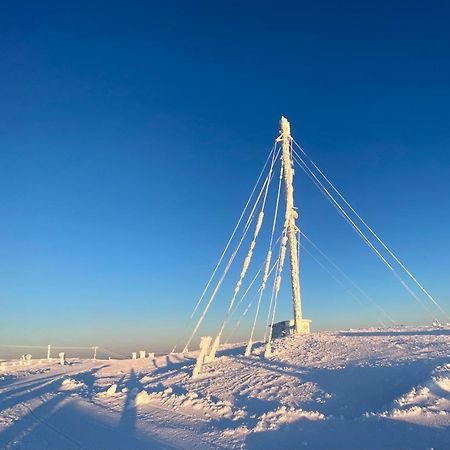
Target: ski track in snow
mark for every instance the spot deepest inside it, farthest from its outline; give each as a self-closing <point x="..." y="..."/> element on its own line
<point x="359" y="389"/>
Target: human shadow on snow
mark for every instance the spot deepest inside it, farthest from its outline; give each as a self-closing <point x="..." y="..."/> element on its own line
<point x="129" y="412"/>
<point x="46" y="425"/>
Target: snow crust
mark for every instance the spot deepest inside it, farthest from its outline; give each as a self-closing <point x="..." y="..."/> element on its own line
<point x="69" y="384"/>
<point x="428" y="403"/>
<point x="357" y="389"/>
<point x="273" y="420"/>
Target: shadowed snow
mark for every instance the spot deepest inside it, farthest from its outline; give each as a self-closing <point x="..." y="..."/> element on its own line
<point x="361" y="389"/>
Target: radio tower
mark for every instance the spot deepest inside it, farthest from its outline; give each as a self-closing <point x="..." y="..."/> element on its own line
<point x="300" y="325"/>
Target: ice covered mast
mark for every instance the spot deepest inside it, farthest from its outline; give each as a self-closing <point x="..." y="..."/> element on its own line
<point x="300" y="325"/>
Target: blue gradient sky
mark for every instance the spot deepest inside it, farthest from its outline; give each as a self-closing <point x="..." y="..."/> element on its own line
<point x="132" y="132"/>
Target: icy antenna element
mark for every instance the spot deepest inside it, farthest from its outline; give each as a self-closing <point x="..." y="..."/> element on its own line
<point x="267" y="270"/>
<point x="133" y="355"/>
<point x="62" y="358"/>
<point x="248" y="349"/>
<point x="205" y="342"/>
<point x="212" y="354"/>
<point x="141" y="354"/>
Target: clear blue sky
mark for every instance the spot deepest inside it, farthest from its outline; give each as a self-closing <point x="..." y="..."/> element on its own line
<point x="132" y="132"/>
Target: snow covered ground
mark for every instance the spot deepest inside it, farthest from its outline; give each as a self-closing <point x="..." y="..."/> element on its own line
<point x="366" y="389"/>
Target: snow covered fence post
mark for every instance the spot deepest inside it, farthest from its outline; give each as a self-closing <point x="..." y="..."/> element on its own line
<point x="248" y="349"/>
<point x="205" y="342"/>
<point x="62" y="358"/>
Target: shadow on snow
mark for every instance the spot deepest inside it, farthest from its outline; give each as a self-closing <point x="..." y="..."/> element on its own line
<point x="57" y="422"/>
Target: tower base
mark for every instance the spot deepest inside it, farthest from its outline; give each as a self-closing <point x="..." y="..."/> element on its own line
<point x="287" y="327"/>
<point x="303" y="326"/>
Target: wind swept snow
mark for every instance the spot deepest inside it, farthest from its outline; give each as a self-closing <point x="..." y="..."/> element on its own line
<point x="359" y="389"/>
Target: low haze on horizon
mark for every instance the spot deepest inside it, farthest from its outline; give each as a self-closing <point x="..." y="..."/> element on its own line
<point x="133" y="132"/>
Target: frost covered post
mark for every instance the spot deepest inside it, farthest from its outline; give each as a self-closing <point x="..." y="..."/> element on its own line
<point x="49" y="348"/>
<point x="141" y="354"/>
<point x="95" y="353"/>
<point x="62" y="358"/>
<point x="205" y="342"/>
<point x="133" y="355"/>
<point x="300" y="325"/>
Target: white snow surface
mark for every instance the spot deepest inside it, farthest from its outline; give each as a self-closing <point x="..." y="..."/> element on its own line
<point x="357" y="389"/>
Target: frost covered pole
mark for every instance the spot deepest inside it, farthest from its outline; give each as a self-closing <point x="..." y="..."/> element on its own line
<point x="49" y="348"/>
<point x="300" y="325"/>
<point x="205" y="342"/>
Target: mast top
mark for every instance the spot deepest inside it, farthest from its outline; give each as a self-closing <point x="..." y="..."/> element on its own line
<point x="285" y="126"/>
